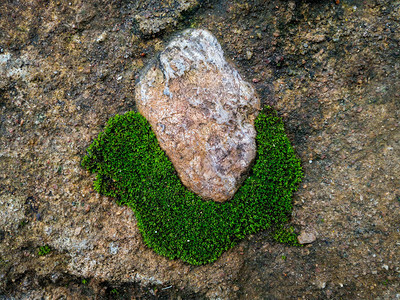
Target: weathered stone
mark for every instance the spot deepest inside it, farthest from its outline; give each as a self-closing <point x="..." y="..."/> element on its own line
<point x="202" y="113"/>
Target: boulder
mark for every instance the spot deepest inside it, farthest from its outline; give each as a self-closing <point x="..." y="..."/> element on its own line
<point x="202" y="113"/>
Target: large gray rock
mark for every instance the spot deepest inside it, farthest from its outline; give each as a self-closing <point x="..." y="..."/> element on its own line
<point x="202" y="113"/>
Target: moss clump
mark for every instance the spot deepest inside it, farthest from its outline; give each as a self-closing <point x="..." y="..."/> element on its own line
<point x="44" y="250"/>
<point x="175" y="222"/>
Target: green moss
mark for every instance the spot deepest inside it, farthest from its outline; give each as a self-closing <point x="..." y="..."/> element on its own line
<point x="114" y="292"/>
<point x="43" y="250"/>
<point x="285" y="235"/>
<point x="175" y="222"/>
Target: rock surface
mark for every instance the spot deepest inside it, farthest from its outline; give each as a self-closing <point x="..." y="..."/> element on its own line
<point x="159" y="15"/>
<point x="202" y="113"/>
<point x="59" y="86"/>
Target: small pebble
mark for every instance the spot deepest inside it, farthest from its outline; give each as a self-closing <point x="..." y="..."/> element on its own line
<point x="306" y="237"/>
<point x="102" y="37"/>
<point x="78" y="231"/>
<point x="113" y="248"/>
<point x="321" y="284"/>
<point x="249" y="54"/>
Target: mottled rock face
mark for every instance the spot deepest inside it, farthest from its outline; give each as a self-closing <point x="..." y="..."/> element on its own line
<point x="202" y="113"/>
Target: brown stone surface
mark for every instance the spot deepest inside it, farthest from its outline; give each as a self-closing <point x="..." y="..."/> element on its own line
<point x="202" y="113"/>
<point x="339" y="99"/>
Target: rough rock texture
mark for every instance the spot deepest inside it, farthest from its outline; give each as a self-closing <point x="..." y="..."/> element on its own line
<point x="156" y="16"/>
<point x="202" y="113"/>
<point x="339" y="97"/>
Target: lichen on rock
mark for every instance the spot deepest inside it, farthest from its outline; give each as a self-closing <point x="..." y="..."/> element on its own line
<point x="202" y="112"/>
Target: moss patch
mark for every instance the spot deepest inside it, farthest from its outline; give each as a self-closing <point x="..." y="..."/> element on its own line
<point x="175" y="222"/>
<point x="44" y="250"/>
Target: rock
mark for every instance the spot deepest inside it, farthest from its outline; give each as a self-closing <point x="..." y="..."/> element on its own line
<point x="307" y="237"/>
<point x="202" y="113"/>
<point x="102" y="37"/>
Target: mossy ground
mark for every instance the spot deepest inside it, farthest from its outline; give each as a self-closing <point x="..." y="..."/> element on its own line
<point x="175" y="222"/>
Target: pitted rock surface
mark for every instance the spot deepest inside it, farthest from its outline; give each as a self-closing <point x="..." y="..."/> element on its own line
<point x="202" y="113"/>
